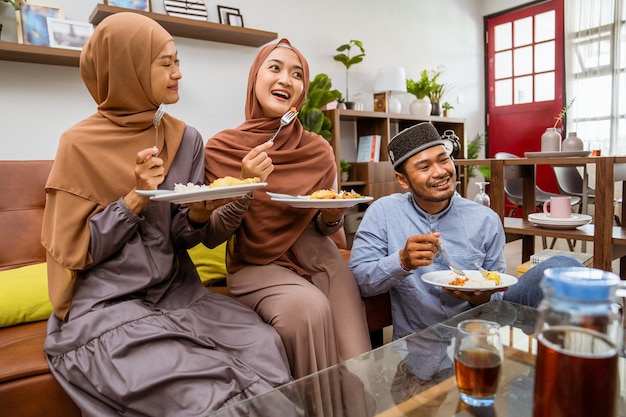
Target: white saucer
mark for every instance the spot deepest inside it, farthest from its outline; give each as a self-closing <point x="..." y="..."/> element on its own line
<point x="557" y="154"/>
<point x="572" y="222"/>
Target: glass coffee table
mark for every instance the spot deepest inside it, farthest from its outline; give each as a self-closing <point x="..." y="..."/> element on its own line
<point x="414" y="376"/>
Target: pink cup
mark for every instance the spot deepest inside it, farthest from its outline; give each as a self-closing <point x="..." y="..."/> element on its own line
<point x="558" y="207"/>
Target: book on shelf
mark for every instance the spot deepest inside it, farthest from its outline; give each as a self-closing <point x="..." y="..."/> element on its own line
<point x="369" y="148"/>
<point x="584" y="258"/>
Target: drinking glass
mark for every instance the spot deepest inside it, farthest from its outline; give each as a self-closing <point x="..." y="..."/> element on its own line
<point x="477" y="361"/>
<point x="482" y="197"/>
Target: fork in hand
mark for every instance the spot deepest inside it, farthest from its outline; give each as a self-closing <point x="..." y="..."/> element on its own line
<point x="284" y="121"/>
<point x="453" y="267"/>
<point x="157" y="122"/>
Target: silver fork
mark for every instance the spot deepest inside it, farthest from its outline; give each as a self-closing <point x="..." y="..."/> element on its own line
<point x="284" y="121"/>
<point x="453" y="267"/>
<point x="157" y="122"/>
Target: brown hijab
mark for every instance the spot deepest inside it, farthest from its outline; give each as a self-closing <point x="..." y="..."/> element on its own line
<point x="303" y="162"/>
<point x="94" y="164"/>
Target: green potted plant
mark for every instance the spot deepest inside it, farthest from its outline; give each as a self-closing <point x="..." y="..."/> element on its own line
<point x="426" y="86"/>
<point x="348" y="60"/>
<point x="473" y="151"/>
<point x="422" y="87"/>
<point x="447" y="107"/>
<point x="345" y="170"/>
<point x="311" y="116"/>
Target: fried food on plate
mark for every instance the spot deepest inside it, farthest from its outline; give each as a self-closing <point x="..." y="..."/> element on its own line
<point x="334" y="195"/>
<point x="228" y="181"/>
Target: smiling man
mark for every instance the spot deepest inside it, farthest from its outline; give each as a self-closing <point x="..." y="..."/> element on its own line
<point x="396" y="240"/>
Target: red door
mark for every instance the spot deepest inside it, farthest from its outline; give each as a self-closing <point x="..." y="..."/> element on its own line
<point x="525" y="80"/>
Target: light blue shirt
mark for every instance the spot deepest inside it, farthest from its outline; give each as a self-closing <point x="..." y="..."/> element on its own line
<point x="470" y="233"/>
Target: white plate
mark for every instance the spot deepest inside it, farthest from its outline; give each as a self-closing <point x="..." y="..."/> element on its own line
<point x="547" y="222"/>
<point x="442" y="278"/>
<point x="557" y="154"/>
<point x="207" y="193"/>
<point x="306" y="202"/>
<point x="150" y="193"/>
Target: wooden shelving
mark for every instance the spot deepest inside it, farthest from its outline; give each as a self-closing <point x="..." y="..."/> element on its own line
<point x="11" y="51"/>
<point x="195" y="29"/>
<point x="177" y="26"/>
<point x="378" y="178"/>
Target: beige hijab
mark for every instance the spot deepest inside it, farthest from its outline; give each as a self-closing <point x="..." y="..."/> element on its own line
<point x="94" y="164"/>
<point x="303" y="162"/>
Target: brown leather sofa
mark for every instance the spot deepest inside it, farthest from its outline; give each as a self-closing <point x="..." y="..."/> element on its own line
<point x="27" y="388"/>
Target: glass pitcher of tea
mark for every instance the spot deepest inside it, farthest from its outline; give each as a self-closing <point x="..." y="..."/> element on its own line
<point x="579" y="334"/>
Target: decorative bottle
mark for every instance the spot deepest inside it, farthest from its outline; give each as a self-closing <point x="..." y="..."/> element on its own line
<point x="572" y="143"/>
<point x="551" y="140"/>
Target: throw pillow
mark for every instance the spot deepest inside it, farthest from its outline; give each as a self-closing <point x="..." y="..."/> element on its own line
<point x="211" y="263"/>
<point x="24" y="295"/>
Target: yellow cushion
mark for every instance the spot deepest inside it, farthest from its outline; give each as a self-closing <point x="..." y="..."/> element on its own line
<point x="24" y="290"/>
<point x="24" y="295"/>
<point x="211" y="263"/>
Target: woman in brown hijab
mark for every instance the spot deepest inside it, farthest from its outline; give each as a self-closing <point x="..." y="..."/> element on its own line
<point x="134" y="332"/>
<point x="281" y="261"/>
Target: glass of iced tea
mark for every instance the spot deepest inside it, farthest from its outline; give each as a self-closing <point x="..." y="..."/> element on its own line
<point x="477" y="361"/>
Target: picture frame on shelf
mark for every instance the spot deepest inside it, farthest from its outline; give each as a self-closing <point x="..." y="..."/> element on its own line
<point x="224" y="11"/>
<point x="142" y="5"/>
<point x="32" y="23"/>
<point x="380" y="102"/>
<point x="187" y="9"/>
<point x="235" y="19"/>
<point x="68" y="34"/>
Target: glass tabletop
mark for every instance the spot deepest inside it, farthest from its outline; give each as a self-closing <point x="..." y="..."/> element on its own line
<point x="414" y="376"/>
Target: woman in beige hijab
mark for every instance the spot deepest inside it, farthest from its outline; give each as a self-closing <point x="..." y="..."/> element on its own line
<point x="134" y="332"/>
<point x="282" y="262"/>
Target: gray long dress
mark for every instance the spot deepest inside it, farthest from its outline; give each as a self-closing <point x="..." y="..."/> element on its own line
<point x="144" y="337"/>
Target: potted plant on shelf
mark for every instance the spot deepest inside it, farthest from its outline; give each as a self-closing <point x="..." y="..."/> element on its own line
<point x="345" y="170"/>
<point x="447" y="107"/>
<point x="437" y="91"/>
<point x="344" y="56"/>
<point x="425" y="90"/>
<point x="318" y="95"/>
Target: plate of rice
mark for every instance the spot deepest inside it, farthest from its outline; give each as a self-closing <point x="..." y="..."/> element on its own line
<point x="226" y="187"/>
<point x="473" y="281"/>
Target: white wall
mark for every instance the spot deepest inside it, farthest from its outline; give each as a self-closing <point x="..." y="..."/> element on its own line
<point x="38" y="102"/>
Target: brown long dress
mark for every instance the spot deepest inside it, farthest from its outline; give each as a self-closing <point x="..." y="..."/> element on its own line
<point x="282" y="263"/>
<point x="134" y="331"/>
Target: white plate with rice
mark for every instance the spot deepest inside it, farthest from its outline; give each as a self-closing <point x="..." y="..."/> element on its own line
<point x="476" y="280"/>
<point x="201" y="193"/>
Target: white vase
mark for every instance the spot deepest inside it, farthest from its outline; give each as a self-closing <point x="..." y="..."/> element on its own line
<point x="572" y="143"/>
<point x="551" y="140"/>
<point x="421" y="107"/>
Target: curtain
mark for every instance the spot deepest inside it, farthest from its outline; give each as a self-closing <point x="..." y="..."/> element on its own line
<point x="595" y="54"/>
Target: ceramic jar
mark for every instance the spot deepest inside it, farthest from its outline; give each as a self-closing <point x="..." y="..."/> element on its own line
<point x="572" y="143"/>
<point x="421" y="107"/>
<point x="551" y="140"/>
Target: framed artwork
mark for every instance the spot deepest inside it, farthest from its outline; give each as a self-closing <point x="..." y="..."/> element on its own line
<point x="32" y="24"/>
<point x="380" y="102"/>
<point x="188" y="9"/>
<point x="223" y="13"/>
<point x="143" y="5"/>
<point x="235" y="19"/>
<point x="68" y="34"/>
